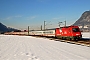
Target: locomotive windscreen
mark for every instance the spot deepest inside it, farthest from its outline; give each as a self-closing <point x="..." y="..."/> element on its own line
<point x="75" y="29"/>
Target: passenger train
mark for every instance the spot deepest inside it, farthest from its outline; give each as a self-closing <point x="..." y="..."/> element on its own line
<point x="67" y="32"/>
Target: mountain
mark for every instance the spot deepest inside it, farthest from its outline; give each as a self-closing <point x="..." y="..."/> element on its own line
<point x="84" y="21"/>
<point x="4" y="28"/>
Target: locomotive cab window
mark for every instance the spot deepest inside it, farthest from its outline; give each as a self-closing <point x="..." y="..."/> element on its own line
<point x="75" y="29"/>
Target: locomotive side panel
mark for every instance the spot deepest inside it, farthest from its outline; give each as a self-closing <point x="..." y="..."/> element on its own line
<point x="58" y="32"/>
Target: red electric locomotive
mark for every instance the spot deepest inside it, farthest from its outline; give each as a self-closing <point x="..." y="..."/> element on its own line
<point x="68" y="32"/>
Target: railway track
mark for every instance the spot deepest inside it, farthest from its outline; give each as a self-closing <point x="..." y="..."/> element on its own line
<point x="82" y="42"/>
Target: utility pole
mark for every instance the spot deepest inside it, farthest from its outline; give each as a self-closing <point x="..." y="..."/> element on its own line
<point x="44" y="25"/>
<point x="65" y="23"/>
<point x="28" y="30"/>
<point x="59" y="24"/>
<point x="41" y="27"/>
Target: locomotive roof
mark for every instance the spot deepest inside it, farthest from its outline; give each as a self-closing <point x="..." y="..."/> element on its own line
<point x="68" y="26"/>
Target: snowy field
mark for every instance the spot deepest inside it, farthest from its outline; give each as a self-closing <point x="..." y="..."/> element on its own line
<point x="86" y="35"/>
<point x="31" y="48"/>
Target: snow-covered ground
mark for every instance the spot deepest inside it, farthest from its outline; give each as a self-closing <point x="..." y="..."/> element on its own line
<point x="86" y="35"/>
<point x="31" y="48"/>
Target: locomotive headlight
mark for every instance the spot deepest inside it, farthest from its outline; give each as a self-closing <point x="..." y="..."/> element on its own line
<point x="77" y="34"/>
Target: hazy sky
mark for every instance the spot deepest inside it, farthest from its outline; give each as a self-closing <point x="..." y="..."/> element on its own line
<point x="33" y="13"/>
